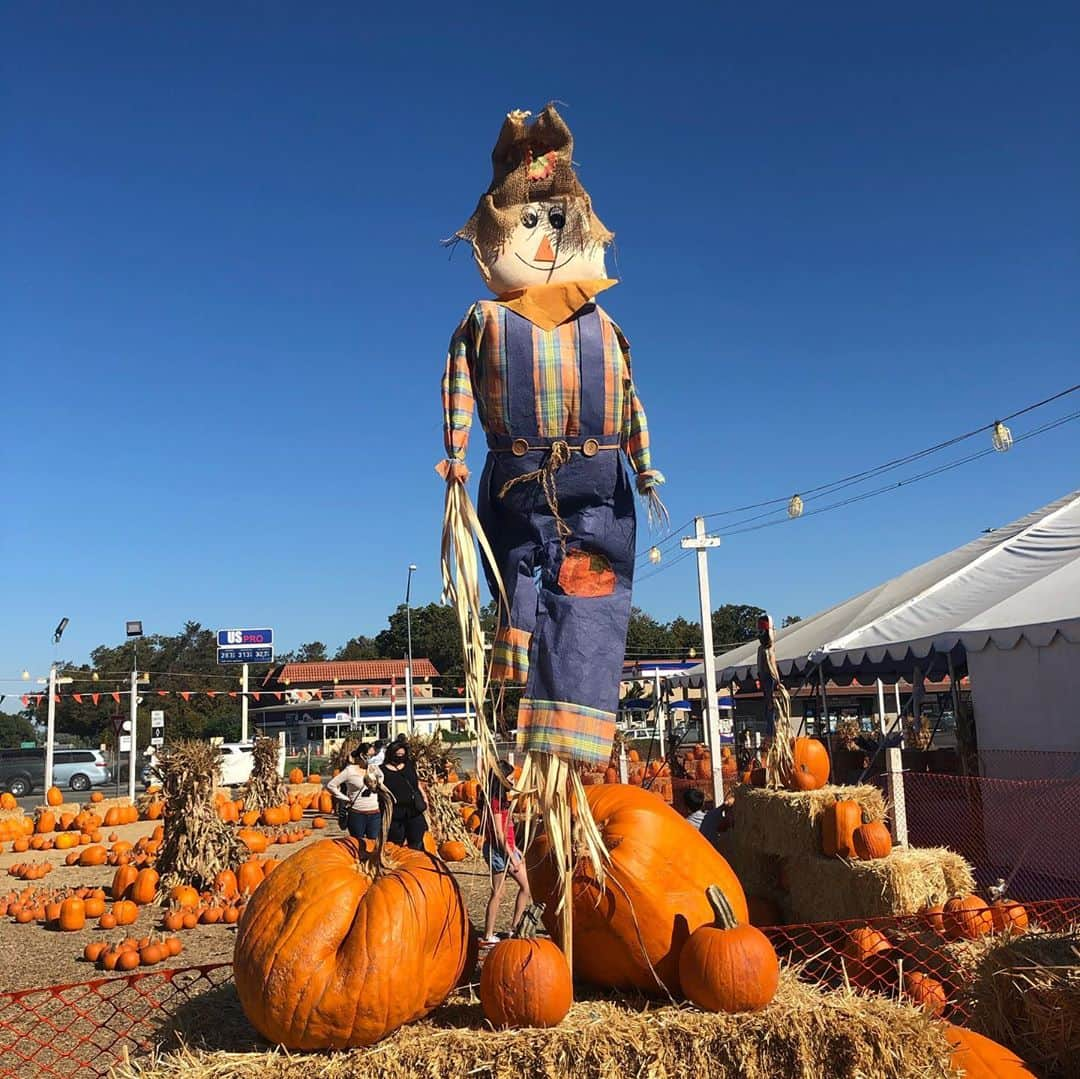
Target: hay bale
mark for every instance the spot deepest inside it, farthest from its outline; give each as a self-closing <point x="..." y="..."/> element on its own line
<point x="909" y="880"/>
<point x="804" y="1034"/>
<point x="302" y="789"/>
<point x="106" y="803"/>
<point x="788" y="823"/>
<point x="1024" y="991"/>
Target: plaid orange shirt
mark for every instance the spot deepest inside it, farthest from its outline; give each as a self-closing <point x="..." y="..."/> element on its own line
<point x="475" y="380"/>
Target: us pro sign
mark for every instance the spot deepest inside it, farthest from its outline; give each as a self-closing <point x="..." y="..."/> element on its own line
<point x="245" y="645"/>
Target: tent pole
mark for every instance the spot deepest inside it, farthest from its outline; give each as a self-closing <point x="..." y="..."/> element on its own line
<point x="894" y="776"/>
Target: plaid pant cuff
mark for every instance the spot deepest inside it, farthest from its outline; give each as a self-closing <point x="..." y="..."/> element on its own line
<point x="569" y="730"/>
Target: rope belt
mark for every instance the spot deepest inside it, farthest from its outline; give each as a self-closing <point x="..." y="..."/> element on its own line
<point x="558" y="455"/>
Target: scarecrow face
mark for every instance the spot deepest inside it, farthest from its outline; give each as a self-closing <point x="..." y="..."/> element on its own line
<point x="539" y="251"/>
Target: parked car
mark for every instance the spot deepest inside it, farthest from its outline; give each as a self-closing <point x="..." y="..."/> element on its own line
<point x="23" y="770"/>
<point x="236" y="761"/>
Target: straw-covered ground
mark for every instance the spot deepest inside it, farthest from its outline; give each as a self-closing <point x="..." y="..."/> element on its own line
<point x="803" y="1034"/>
<point x="1024" y="991"/>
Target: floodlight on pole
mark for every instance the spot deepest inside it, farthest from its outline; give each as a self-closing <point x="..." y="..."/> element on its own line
<point x="410" y="717"/>
<point x="59" y="631"/>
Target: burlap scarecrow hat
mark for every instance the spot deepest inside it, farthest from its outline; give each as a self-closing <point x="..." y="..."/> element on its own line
<point x="533" y="162"/>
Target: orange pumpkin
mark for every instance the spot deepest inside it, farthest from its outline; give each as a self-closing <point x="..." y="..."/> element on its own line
<point x="1006" y="914"/>
<point x="249" y="876"/>
<point x="980" y="1058"/>
<point x="810" y="766"/>
<point x="328" y="920"/>
<point x="54" y="796"/>
<point x="453" y="850"/>
<point x="296" y="775"/>
<point x="184" y="897"/>
<point x="72" y="915"/>
<point x="525" y="982"/>
<point x="97" y="796"/>
<point x="728" y="967"/>
<point x="967" y="918"/>
<point x="123" y="879"/>
<point x="653" y="898"/>
<point x="144" y="888"/>
<point x="838" y="824"/>
<point x="225" y="883"/>
<point x="125" y="912"/>
<point x="866" y="957"/>
<point x="870" y="841"/>
<point x="926" y="993"/>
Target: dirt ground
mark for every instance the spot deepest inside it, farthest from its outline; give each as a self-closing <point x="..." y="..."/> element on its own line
<point x="32" y="956"/>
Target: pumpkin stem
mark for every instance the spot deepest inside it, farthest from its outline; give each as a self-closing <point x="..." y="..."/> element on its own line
<point x="725" y="916"/>
<point x="530" y="922"/>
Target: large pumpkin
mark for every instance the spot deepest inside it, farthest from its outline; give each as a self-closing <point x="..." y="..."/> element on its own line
<point x="333" y="953"/>
<point x="659" y="869"/>
<point x="838" y="824"/>
<point x="980" y="1058"/>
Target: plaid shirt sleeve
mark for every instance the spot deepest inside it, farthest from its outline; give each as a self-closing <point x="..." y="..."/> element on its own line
<point x="457" y="388"/>
<point x="634" y="435"/>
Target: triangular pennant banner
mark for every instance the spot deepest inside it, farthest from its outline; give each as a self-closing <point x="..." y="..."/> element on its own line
<point x="186" y="694"/>
<point x="26" y="700"/>
<point x="317" y="694"/>
<point x="95" y="697"/>
<point x="162" y="692"/>
<point x="116" y="697"/>
<point x="278" y="695"/>
<point x="255" y="697"/>
<point x="338" y="694"/>
<point x="211" y="693"/>
<point x="77" y="698"/>
<point x="232" y="693"/>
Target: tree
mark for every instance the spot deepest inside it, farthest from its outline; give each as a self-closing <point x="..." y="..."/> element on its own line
<point x="645" y="636"/>
<point x="735" y="623"/>
<point x="15" y="729"/>
<point x="361" y="647"/>
<point x="790" y="620"/>
<point x="435" y="635"/>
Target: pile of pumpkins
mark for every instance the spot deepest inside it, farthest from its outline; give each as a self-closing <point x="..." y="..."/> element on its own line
<point x="869" y="953"/>
<point x="48" y="831"/>
<point x="129" y="953"/>
<point x="65" y="909"/>
<point x="233" y="812"/>
<point x="296" y="776"/>
<point x="30" y="870"/>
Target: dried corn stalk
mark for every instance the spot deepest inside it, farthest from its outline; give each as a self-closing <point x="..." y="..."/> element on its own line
<point x="434" y="762"/>
<point x="265" y="787"/>
<point x="197" y="843"/>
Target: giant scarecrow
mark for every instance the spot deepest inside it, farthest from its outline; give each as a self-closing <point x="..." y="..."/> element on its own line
<point x="547" y="373"/>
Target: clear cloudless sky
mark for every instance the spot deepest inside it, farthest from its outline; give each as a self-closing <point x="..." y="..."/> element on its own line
<point x="845" y="231"/>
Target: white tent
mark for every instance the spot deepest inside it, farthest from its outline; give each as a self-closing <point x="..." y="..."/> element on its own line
<point x="1005" y="607"/>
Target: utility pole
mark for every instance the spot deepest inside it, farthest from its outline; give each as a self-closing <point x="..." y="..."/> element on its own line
<point x="408" y="668"/>
<point x="701" y="542"/>
<point x="50" y="730"/>
<point x="244" y="703"/>
<point x="134" y="738"/>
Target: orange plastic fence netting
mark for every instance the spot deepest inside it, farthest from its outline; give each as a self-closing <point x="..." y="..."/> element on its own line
<point x="86" y="1029"/>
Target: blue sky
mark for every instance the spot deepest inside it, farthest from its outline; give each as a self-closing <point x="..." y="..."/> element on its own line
<point x="842" y="234"/>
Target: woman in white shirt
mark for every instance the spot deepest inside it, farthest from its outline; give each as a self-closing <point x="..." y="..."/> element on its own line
<point x="357" y="787"/>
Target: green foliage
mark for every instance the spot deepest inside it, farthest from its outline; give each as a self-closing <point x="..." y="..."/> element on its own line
<point x="435" y="634"/>
<point x="361" y="647"/>
<point x="790" y="620"/>
<point x="15" y="729"/>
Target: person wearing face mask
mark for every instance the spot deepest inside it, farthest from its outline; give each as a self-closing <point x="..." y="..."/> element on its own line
<point x="407" y="821"/>
<point x="356" y="789"/>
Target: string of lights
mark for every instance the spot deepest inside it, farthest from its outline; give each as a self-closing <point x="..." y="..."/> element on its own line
<point x="777" y="515"/>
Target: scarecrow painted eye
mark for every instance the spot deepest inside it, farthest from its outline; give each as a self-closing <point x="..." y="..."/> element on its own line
<point x="556" y="217"/>
<point x="529" y="217"/>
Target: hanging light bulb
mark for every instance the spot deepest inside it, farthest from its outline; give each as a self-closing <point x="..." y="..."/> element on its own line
<point x="26" y="676"/>
<point x="1002" y="437"/>
<point x="654" y="555"/>
<point x="692" y="653"/>
<point x="794" y="507"/>
<point x="95" y="676"/>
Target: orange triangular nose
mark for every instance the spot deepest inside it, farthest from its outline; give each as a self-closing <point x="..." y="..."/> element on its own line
<point x="545" y="252"/>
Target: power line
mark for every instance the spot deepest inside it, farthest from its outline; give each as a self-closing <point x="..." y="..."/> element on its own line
<point x="756" y="522"/>
<point x="858" y="477"/>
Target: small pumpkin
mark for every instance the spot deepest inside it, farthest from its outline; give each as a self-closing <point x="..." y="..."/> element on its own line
<point x="122" y="881"/>
<point x="1007" y="915"/>
<point x="925" y="992"/>
<point x="967" y="918"/>
<point x="72" y="915"/>
<point x="727" y="967"/>
<point x="453" y="850"/>
<point x="838" y="825"/>
<point x="870" y="841"/>
<point x="145" y="886"/>
<point x="296" y="775"/>
<point x="54" y="796"/>
<point x="124" y="912"/>
<point x="525" y="981"/>
<point x="866" y="957"/>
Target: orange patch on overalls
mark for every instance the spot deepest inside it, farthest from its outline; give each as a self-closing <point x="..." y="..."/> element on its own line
<point x="585" y="574"/>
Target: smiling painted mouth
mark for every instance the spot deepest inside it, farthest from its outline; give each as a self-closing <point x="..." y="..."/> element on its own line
<point x="544" y="265"/>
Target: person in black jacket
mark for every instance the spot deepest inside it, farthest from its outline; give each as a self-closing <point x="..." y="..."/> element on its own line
<point x="407" y="822"/>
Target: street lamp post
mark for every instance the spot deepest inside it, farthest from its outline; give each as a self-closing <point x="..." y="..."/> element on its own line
<point x="410" y="718"/>
<point x="134" y="632"/>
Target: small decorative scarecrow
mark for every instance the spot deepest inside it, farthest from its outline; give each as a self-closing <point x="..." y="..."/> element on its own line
<point x="547" y="373"/>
